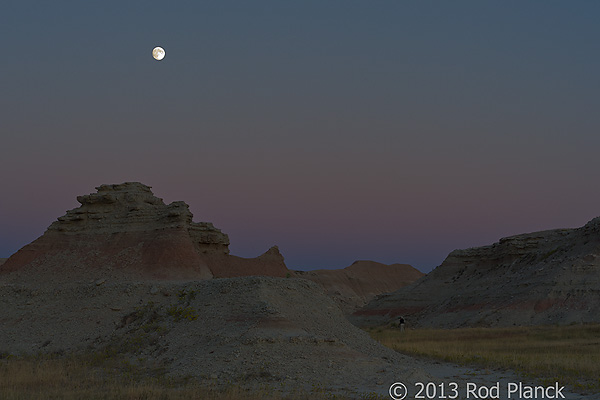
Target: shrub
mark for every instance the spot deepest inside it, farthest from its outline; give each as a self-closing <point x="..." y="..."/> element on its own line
<point x="178" y="313"/>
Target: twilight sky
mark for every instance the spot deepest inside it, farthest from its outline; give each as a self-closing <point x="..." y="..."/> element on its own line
<point x="393" y="131"/>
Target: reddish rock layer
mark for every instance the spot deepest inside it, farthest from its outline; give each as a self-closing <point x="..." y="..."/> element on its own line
<point x="125" y="232"/>
<point x="270" y="263"/>
<point x="353" y="286"/>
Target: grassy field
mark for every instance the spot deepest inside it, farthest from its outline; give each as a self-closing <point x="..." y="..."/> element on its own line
<point x="76" y="378"/>
<point x="569" y="354"/>
<point x="73" y="378"/>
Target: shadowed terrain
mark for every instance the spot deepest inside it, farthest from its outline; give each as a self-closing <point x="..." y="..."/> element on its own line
<point x="129" y="278"/>
<point x="354" y="286"/>
<point x="541" y="278"/>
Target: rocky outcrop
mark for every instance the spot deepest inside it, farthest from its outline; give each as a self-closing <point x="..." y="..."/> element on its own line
<point x="354" y="286"/>
<point x="132" y="207"/>
<point x="271" y="263"/>
<point x="549" y="277"/>
<point x="125" y="232"/>
<point x="251" y="332"/>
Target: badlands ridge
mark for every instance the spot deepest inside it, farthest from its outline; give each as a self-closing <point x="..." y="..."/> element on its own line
<point x="541" y="278"/>
<point x="126" y="275"/>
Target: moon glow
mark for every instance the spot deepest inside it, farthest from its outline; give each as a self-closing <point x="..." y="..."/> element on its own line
<point x="158" y="53"/>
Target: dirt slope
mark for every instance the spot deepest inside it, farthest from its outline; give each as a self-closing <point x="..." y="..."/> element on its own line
<point x="249" y="330"/>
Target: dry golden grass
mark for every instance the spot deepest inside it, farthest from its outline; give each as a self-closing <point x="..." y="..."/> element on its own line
<point x="568" y="354"/>
<point x="70" y="378"/>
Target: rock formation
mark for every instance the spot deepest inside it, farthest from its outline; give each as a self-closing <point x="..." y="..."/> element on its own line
<point x="125" y="232"/>
<point x="248" y="331"/>
<point x="131" y="207"/>
<point x="549" y="277"/>
<point x="271" y="263"/>
<point x="126" y="277"/>
<point x="354" y="286"/>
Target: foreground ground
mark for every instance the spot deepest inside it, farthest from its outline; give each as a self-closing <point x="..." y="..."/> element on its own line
<point x="89" y="377"/>
<point x="569" y="354"/>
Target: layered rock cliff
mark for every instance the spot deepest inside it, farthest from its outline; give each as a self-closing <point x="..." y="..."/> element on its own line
<point x="132" y="207"/>
<point x="549" y="277"/>
<point x="125" y="232"/>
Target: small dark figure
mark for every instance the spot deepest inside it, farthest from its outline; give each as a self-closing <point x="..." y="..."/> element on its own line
<point x="397" y="323"/>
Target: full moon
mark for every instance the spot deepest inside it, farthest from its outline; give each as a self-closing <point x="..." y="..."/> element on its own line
<point x="158" y="53"/>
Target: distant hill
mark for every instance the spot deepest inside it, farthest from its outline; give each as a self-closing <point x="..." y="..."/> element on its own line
<point x="354" y="286"/>
<point x="549" y="277"/>
<point x="3" y="260"/>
